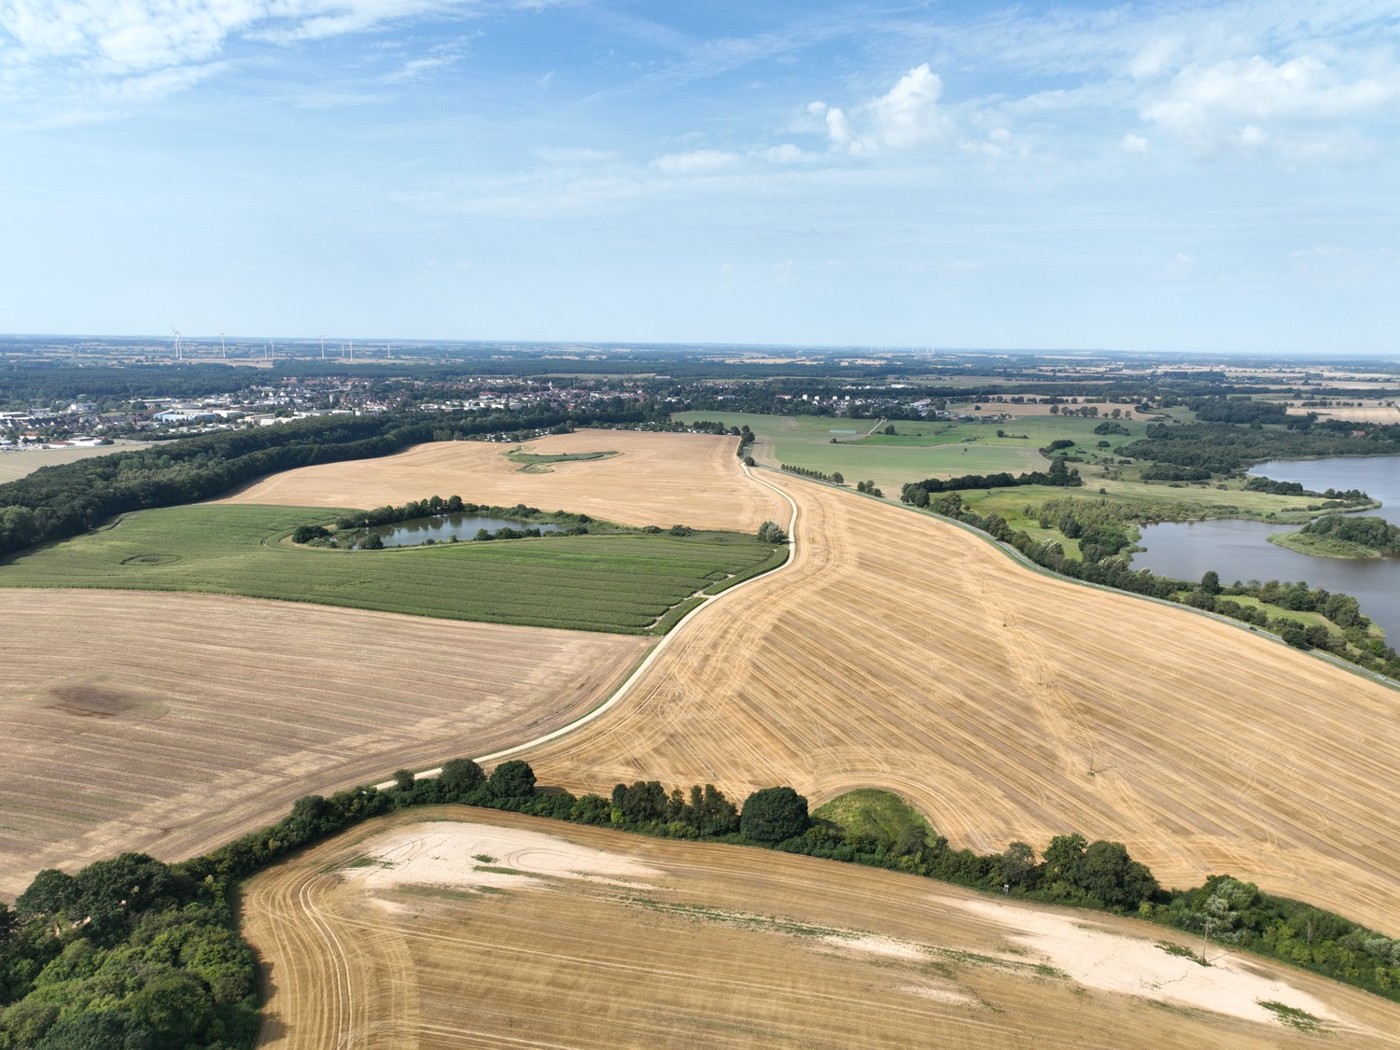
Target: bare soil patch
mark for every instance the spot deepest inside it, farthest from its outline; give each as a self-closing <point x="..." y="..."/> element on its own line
<point x="656" y="479"/>
<point x="905" y="653"/>
<point x="170" y="723"/>
<point x="722" y="946"/>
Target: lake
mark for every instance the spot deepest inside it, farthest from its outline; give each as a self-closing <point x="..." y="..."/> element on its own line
<point x="443" y="527"/>
<point x="1240" y="550"/>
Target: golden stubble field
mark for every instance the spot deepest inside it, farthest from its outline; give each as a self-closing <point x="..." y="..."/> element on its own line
<point x="171" y="723"/>
<point x="1378" y="411"/>
<point x="452" y="927"/>
<point x="656" y="479"/>
<point x="15" y="465"/>
<point x="902" y="652"/>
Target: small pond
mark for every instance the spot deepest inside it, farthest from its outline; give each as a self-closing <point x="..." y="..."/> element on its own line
<point x="443" y="528"/>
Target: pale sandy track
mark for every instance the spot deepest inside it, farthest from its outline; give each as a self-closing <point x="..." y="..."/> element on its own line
<point x="171" y="723"/>
<point x="656" y="479"/>
<point x="702" y="951"/>
<point x="904" y="653"/>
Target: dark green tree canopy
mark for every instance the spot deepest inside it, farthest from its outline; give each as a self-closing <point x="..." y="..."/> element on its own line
<point x="512" y="779"/>
<point x="773" y="815"/>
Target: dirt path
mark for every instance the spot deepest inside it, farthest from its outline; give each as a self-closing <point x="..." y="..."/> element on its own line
<point x="657" y="652"/>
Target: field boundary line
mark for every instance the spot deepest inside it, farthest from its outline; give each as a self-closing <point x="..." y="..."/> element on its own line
<point x="630" y="682"/>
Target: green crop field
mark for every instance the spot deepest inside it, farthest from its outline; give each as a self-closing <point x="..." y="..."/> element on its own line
<point x="919" y="448"/>
<point x="619" y="582"/>
<point x="806" y="441"/>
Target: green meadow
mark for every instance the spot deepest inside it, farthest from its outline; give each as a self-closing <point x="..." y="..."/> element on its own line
<point x="919" y="451"/>
<point x="619" y="582"/>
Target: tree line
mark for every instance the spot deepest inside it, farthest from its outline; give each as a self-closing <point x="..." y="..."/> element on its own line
<point x="1223" y="448"/>
<point x="1059" y="475"/>
<point x="132" y="952"/>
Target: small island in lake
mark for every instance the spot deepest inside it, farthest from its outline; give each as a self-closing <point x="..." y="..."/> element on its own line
<point x="1340" y="536"/>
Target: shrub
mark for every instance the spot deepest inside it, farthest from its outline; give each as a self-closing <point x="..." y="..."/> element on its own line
<point x="773" y="814"/>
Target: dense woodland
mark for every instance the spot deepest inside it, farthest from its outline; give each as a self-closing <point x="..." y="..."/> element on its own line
<point x="1223" y="448"/>
<point x="1375" y="534"/>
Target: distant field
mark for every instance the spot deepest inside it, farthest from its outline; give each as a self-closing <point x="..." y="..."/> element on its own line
<point x="453" y="927"/>
<point x="806" y="441"/>
<point x="904" y="653"/>
<point x="1387" y="411"/>
<point x="15" y="465"/>
<point x="602" y="583"/>
<point x="655" y="479"/>
<point x="919" y="449"/>
<point x="171" y="723"/>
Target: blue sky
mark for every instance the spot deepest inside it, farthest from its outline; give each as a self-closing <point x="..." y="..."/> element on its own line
<point x="1221" y="176"/>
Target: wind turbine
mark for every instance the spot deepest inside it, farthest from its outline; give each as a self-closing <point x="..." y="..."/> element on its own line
<point x="177" y="342"/>
<point x="222" y="351"/>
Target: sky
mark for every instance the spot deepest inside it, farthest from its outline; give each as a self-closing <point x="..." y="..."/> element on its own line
<point x="1206" y="177"/>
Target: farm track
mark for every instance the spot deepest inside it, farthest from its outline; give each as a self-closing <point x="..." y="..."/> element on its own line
<point x="901" y="652"/>
<point x="721" y="946"/>
<point x="171" y="723"/>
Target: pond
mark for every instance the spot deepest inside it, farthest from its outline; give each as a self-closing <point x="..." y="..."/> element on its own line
<point x="443" y="527"/>
<point x="1240" y="550"/>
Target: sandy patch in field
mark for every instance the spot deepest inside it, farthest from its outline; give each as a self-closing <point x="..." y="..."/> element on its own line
<point x="656" y="479"/>
<point x="873" y="945"/>
<point x="1095" y="957"/>
<point x="940" y="995"/>
<point x="470" y="856"/>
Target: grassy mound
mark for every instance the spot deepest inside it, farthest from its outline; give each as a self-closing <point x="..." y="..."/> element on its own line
<point x="872" y="816"/>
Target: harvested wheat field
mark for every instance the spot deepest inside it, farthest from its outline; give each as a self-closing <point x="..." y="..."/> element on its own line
<point x="171" y="723"/>
<point x="1360" y="412"/>
<point x="902" y="652"/>
<point x="454" y="927"/>
<point x="655" y="479"/>
<point x="19" y="464"/>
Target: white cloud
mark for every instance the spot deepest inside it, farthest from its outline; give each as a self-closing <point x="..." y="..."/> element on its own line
<point x="415" y="68"/>
<point x="696" y="162"/>
<point x="786" y="153"/>
<point x="1134" y="144"/>
<point x="1246" y="103"/>
<point x="75" y="57"/>
<point x="908" y="114"/>
<point x="1182" y="265"/>
<point x="904" y="117"/>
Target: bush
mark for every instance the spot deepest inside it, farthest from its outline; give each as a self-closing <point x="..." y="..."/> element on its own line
<point x="513" y="779"/>
<point x="458" y="777"/>
<point x="773" y="815"/>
